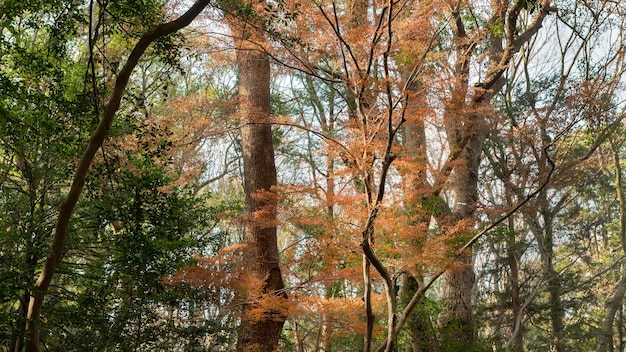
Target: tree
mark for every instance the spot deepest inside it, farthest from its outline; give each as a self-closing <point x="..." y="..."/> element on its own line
<point x="363" y="68"/>
<point x="532" y="101"/>
<point x="42" y="124"/>
<point x="67" y="207"/>
<point x="261" y="322"/>
<point x="377" y="150"/>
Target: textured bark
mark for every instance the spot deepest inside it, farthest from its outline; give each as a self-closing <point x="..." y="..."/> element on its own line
<point x="67" y="207"/>
<point x="456" y="317"/>
<point x="420" y="328"/>
<point x="261" y="255"/>
<point x="456" y="295"/>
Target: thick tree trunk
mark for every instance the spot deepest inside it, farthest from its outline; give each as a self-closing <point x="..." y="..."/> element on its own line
<point x="422" y="337"/>
<point x="457" y="318"/>
<point x="456" y="296"/>
<point x="463" y="120"/>
<point x="258" y="333"/>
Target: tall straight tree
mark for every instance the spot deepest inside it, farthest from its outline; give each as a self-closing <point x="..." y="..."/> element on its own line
<point x="258" y="332"/>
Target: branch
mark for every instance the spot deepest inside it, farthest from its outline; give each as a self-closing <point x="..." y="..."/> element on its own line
<point x="67" y="207"/>
<point x="513" y="44"/>
<point x="422" y="290"/>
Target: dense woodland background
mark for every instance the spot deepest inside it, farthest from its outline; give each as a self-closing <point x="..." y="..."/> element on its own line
<point x="400" y="175"/>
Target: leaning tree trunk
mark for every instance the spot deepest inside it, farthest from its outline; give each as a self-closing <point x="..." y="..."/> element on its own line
<point x="57" y="248"/>
<point x="258" y="332"/>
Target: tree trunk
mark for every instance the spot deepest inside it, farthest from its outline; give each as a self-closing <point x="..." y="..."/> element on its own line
<point x="516" y="304"/>
<point x="614" y="303"/>
<point x="545" y="239"/>
<point x="422" y="337"/>
<point x="556" y="310"/>
<point x="17" y="341"/>
<point x="298" y="338"/>
<point x="57" y="247"/>
<point x="457" y="318"/>
<point x="258" y="333"/>
<point x="464" y="122"/>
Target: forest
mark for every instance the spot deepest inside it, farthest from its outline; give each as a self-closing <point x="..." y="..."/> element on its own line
<point x="312" y="175"/>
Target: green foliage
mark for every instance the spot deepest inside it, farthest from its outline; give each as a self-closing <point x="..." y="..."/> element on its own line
<point x="44" y="120"/>
<point x="434" y="205"/>
<point x="131" y="230"/>
<point x="454" y="344"/>
<point x="497" y="28"/>
<point x="129" y="237"/>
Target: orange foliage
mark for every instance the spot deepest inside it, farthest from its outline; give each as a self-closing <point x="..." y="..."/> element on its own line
<point x="372" y="178"/>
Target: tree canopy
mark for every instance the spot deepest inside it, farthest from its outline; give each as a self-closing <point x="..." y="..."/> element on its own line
<point x="339" y="175"/>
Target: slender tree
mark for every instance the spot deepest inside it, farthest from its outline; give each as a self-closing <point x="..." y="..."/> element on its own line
<point x="67" y="207"/>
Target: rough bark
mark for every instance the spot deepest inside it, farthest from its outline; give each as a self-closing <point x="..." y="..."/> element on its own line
<point x="456" y="316"/>
<point x="67" y="207"/>
<point x="422" y="337"/>
<point x="261" y="255"/>
<point x="456" y="295"/>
